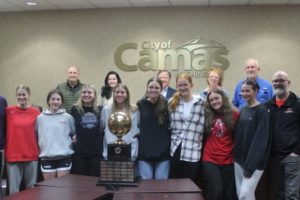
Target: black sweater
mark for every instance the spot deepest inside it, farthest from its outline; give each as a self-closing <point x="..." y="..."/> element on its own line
<point x="285" y="126"/>
<point x="154" y="139"/>
<point x="252" y="139"/>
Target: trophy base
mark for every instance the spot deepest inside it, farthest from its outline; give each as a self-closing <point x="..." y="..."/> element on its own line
<point x="119" y="152"/>
<point x="117" y="173"/>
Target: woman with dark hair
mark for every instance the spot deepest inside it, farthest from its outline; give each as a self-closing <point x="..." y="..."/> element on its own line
<point x="111" y="80"/>
<point x="252" y="142"/>
<point x="187" y="127"/>
<point x="55" y="130"/>
<point x="154" y="138"/>
<point x="21" y="147"/>
<point x="88" y="148"/>
<point x="217" y="159"/>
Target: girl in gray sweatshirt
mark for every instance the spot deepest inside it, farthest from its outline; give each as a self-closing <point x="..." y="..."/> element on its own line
<point x="55" y="130"/>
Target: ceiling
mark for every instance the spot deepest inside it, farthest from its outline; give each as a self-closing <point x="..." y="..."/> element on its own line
<point x="20" y="5"/>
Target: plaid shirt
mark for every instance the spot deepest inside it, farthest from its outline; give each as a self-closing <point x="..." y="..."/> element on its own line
<point x="189" y="132"/>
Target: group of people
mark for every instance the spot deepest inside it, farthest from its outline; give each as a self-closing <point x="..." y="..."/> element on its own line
<point x="174" y="133"/>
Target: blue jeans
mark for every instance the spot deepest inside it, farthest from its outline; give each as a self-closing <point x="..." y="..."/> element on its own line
<point x="154" y="170"/>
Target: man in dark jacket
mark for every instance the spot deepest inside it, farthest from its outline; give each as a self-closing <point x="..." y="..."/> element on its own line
<point x="284" y="109"/>
<point x="165" y="77"/>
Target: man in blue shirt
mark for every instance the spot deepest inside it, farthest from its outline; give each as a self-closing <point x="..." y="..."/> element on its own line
<point x="265" y="88"/>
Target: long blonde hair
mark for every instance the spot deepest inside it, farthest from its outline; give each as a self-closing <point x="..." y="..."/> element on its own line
<point x="79" y="103"/>
<point x="176" y="97"/>
<point x="128" y="107"/>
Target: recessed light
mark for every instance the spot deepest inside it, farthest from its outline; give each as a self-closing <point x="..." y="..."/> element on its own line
<point x="31" y="3"/>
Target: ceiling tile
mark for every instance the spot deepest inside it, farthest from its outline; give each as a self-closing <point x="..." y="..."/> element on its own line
<point x="294" y="2"/>
<point x="110" y="3"/>
<point x="228" y="2"/>
<point x="72" y="4"/>
<point x="42" y="5"/>
<point x="189" y="2"/>
<point x="154" y="3"/>
<point x="7" y="6"/>
<point x="261" y="2"/>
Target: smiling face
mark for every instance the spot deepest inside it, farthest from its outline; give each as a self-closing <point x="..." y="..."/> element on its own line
<point x="165" y="78"/>
<point x="54" y="102"/>
<point x="87" y="96"/>
<point x="153" y="90"/>
<point x="248" y="93"/>
<point x="120" y="95"/>
<point x="184" y="87"/>
<point x="213" y="79"/>
<point x="22" y="98"/>
<point x="281" y="84"/>
<point x="215" y="101"/>
<point x="251" y="69"/>
<point x="112" y="80"/>
<point x="73" y="74"/>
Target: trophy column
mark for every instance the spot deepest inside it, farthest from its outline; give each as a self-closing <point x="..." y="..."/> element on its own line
<point x="119" y="168"/>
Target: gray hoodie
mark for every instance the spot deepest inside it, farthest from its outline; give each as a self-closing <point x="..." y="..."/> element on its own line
<point x="54" y="131"/>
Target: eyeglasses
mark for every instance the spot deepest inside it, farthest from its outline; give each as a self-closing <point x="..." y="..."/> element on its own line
<point x="279" y="80"/>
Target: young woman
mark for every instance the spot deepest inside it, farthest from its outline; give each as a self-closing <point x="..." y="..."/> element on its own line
<point x="88" y="148"/>
<point x="214" y="81"/>
<point x="3" y="106"/>
<point x="55" y="129"/>
<point x="154" y="138"/>
<point x="112" y="79"/>
<point x="21" y="148"/>
<point x="252" y="142"/>
<point x="187" y="126"/>
<point x="217" y="159"/>
<point x="121" y="103"/>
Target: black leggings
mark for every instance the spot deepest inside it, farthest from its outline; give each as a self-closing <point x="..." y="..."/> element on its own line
<point x="220" y="181"/>
<point x="183" y="169"/>
<point x="85" y="165"/>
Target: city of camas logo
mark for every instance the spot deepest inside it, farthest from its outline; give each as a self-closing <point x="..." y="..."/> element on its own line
<point x="195" y="56"/>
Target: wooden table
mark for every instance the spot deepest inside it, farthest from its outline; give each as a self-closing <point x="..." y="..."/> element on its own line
<point x="78" y="187"/>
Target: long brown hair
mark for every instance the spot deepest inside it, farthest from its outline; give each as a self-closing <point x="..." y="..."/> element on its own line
<point x="176" y="97"/>
<point x="226" y="111"/>
<point x="161" y="107"/>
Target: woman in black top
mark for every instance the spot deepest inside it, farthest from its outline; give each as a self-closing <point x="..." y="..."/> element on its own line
<point x="252" y="142"/>
<point x="154" y="138"/>
<point x="88" y="149"/>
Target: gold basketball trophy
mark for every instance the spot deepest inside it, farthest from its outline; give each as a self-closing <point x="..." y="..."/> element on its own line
<point x="119" y="168"/>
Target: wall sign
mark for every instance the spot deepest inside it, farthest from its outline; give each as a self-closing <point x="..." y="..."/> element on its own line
<point x="194" y="57"/>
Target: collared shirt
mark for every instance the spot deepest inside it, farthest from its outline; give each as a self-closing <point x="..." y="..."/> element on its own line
<point x="188" y="132"/>
<point x="164" y="92"/>
<point x="264" y="94"/>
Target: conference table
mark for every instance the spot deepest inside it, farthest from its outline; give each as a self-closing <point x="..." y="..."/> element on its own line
<point x="76" y="187"/>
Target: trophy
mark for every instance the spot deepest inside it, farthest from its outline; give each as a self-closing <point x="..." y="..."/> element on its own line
<point x="118" y="169"/>
<point x="119" y="123"/>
